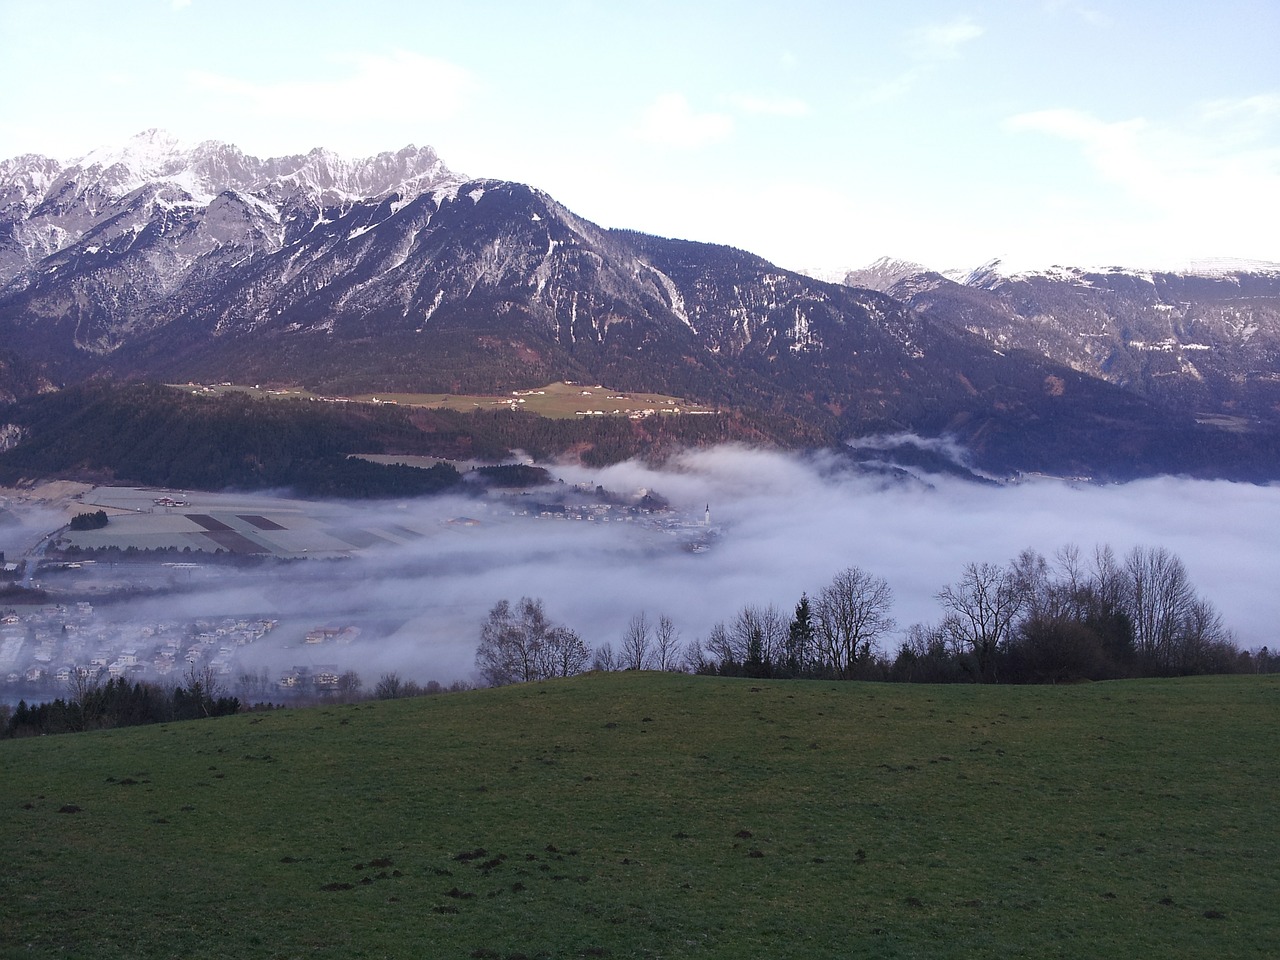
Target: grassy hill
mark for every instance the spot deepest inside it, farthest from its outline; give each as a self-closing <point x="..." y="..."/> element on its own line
<point x="645" y="815"/>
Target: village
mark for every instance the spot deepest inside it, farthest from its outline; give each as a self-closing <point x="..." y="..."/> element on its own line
<point x="590" y="503"/>
<point x="71" y="595"/>
<point x="42" y="647"/>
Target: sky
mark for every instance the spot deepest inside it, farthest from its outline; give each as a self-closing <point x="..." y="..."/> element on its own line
<point x="821" y="135"/>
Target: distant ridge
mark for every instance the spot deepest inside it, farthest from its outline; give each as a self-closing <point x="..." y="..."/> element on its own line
<point x="157" y="260"/>
<point x="1203" y="339"/>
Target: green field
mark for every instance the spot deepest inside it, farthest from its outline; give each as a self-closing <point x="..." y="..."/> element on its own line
<point x="560" y="400"/>
<point x="648" y="815"/>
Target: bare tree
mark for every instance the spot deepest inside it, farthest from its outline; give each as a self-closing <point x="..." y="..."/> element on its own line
<point x="252" y="684"/>
<point x="635" y="643"/>
<point x="204" y="687"/>
<point x="389" y="686"/>
<point x="520" y="645"/>
<point x="923" y="656"/>
<point x="695" y="659"/>
<point x="603" y="658"/>
<point x="84" y="691"/>
<point x="1108" y="586"/>
<point x="722" y="651"/>
<point x="1205" y="645"/>
<point x="754" y="639"/>
<point x="851" y="614"/>
<point x="761" y="634"/>
<point x="982" y="609"/>
<point x="349" y="684"/>
<point x="510" y="642"/>
<point x="1160" y="600"/>
<point x="666" y="644"/>
<point x="412" y="688"/>
<point x="1031" y="571"/>
<point x="1072" y="582"/>
<point x="563" y="654"/>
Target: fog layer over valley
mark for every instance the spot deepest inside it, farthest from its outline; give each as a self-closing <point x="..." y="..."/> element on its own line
<point x="415" y="580"/>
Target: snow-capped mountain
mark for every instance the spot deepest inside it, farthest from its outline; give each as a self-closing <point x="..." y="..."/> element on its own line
<point x="88" y="204"/>
<point x="395" y="273"/>
<point x="128" y="251"/>
<point x="1204" y="339"/>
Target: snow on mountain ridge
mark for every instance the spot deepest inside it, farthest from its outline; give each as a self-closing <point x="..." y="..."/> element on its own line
<point x="886" y="272"/>
<point x="883" y="274"/>
<point x="48" y="206"/>
<point x="212" y="167"/>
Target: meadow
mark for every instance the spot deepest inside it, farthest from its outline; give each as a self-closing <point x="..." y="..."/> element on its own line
<point x="653" y="815"/>
<point x="558" y="401"/>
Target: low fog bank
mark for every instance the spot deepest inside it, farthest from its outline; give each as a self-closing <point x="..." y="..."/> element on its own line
<point x="791" y="523"/>
<point x="785" y="525"/>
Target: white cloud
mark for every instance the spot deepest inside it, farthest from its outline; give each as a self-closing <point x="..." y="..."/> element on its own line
<point x="179" y="4"/>
<point x="1210" y="185"/>
<point x="670" y="121"/>
<point x="929" y="47"/>
<point x="1243" y="120"/>
<point x="942" y="41"/>
<point x="771" y="106"/>
<point x="1163" y="165"/>
<point x="1260" y="105"/>
<point x="400" y="86"/>
<point x="1114" y="149"/>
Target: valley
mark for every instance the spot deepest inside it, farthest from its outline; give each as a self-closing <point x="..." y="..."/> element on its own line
<point x="239" y="584"/>
<point x="541" y="482"/>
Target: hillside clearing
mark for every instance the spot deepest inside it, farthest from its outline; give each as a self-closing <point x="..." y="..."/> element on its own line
<point x="559" y="400"/>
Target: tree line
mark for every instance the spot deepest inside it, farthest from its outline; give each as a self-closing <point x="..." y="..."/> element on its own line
<point x="96" y="702"/>
<point x="1032" y="620"/>
<point x="94" y="520"/>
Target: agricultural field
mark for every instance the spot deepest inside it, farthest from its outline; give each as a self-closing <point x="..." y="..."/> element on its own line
<point x="650" y="815"/>
<point x="561" y="400"/>
<point x="240" y="523"/>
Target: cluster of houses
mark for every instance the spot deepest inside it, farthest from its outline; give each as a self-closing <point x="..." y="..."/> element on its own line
<point x="594" y="512"/>
<point x="669" y="405"/>
<point x="590" y="504"/>
<point x="331" y="634"/>
<point x="324" y="678"/>
<point x="41" y="648"/>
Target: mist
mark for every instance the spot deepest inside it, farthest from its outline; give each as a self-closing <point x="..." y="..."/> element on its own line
<point x="785" y="525"/>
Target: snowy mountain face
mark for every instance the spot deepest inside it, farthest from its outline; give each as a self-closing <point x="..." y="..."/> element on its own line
<point x="126" y="243"/>
<point x="394" y="273"/>
<point x="87" y="205"/>
<point x="1205" y="340"/>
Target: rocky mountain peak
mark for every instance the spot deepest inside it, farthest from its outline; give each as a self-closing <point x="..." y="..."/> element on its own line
<point x="884" y="274"/>
<point x="47" y="206"/>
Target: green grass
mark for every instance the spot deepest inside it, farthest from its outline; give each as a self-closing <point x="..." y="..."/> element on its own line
<point x="643" y="815"/>
<point x="557" y="401"/>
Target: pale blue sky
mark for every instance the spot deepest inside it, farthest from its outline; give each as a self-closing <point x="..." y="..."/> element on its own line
<point x="818" y="134"/>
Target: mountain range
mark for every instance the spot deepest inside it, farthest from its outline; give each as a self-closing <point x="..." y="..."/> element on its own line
<point x="157" y="261"/>
<point x="1204" y="340"/>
